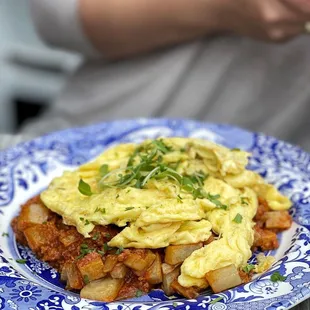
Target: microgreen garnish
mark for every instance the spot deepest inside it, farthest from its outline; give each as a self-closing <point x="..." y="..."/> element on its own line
<point x="276" y="276"/>
<point x="129" y="208"/>
<point x="248" y="268"/>
<point x="238" y="218"/>
<point x="139" y="293"/>
<point x="244" y="200"/>
<point x="214" y="301"/>
<point x="96" y="236"/>
<point x="84" y="188"/>
<point x="119" y="250"/>
<point x="5" y="234"/>
<point x="107" y="235"/>
<point x="86" y="279"/>
<point x="21" y="261"/>
<point x="175" y="304"/>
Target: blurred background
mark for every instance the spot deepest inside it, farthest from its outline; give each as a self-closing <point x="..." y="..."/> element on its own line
<point x="31" y="73"/>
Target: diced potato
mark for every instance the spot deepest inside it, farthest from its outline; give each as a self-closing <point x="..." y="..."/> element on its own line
<point x="32" y="214"/>
<point x="119" y="271"/>
<point x="168" y="279"/>
<point x="38" y="235"/>
<point x="140" y="260"/>
<point x="68" y="238"/>
<point x="188" y="292"/>
<point x="223" y="278"/>
<point x="73" y="276"/>
<point x="109" y="263"/>
<point x="166" y="268"/>
<point x="105" y="289"/>
<point x="91" y="266"/>
<point x="154" y="273"/>
<point x="176" y="254"/>
<point x="265" y="239"/>
<point x="280" y="220"/>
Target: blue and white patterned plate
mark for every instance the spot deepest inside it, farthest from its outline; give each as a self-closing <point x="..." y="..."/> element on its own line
<point x="28" y="168"/>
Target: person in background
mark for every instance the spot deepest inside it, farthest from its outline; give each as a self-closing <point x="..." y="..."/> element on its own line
<point x="215" y="60"/>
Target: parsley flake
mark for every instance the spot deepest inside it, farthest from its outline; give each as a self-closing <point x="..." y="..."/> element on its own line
<point x="84" y="188"/>
<point x="248" y="268"/>
<point x="244" y="200"/>
<point x="21" y="261"/>
<point x="5" y="234"/>
<point x="86" y="279"/>
<point x="175" y="304"/>
<point x="235" y="149"/>
<point x="103" y="170"/>
<point x="129" y="208"/>
<point x="96" y="236"/>
<point x="214" y="301"/>
<point x="277" y="277"/>
<point x="139" y="293"/>
<point x="106" y="247"/>
<point x="238" y="218"/>
<point x="119" y="250"/>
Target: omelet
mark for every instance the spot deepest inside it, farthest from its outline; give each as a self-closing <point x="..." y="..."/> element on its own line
<point x="169" y="191"/>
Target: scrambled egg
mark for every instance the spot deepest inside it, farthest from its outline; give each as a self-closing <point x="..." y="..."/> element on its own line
<point x="192" y="187"/>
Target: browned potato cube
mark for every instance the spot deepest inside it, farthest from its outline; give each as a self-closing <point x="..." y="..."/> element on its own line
<point x="223" y="278"/>
<point x="139" y="259"/>
<point x="119" y="271"/>
<point x="105" y="289"/>
<point x="68" y="238"/>
<point x="34" y="213"/>
<point x="91" y="267"/>
<point x="166" y="268"/>
<point x="176" y="254"/>
<point x="279" y="220"/>
<point x="38" y="235"/>
<point x="73" y="276"/>
<point x="109" y="263"/>
<point x="188" y="292"/>
<point x="154" y="273"/>
<point x="168" y="279"/>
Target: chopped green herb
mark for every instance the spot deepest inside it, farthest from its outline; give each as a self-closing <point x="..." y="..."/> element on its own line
<point x="161" y="146"/>
<point x="86" y="279"/>
<point x="84" y="250"/>
<point x="45" y="222"/>
<point x="214" y="301"/>
<point x="276" y="276"/>
<point x="96" y="236"/>
<point x="102" y="210"/>
<point x="21" y="261"/>
<point x="117" y="196"/>
<point x="87" y="222"/>
<point x="129" y="208"/>
<point x="244" y="200"/>
<point x="238" y="218"/>
<point x="107" y="235"/>
<point x="84" y="188"/>
<point x="139" y="293"/>
<point x="175" y="304"/>
<point x="106" y="247"/>
<point x="235" y="149"/>
<point x="5" y="234"/>
<point x="82" y="219"/>
<point x="119" y="250"/>
<point x="180" y="198"/>
<point x="248" y="268"/>
<point x="101" y="252"/>
<point x="103" y="170"/>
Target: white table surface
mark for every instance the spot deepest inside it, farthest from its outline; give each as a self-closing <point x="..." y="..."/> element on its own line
<point x="11" y="140"/>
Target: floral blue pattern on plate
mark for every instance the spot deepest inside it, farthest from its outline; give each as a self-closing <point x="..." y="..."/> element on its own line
<point x="28" y="168"/>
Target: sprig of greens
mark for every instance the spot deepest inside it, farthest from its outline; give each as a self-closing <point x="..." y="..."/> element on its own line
<point x="84" y="188"/>
<point x="277" y="277"/>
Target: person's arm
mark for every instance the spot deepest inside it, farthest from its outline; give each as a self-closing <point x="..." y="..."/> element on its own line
<point x="121" y="28"/>
<point x="125" y="28"/>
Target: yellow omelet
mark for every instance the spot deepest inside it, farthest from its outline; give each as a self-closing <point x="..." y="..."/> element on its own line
<point x="169" y="191"/>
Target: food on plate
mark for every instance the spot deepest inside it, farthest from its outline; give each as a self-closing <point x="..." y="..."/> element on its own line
<point x="181" y="214"/>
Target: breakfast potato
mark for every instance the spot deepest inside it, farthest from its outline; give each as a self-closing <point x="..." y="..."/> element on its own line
<point x="166" y="268"/>
<point x="38" y="235"/>
<point x="105" y="289"/>
<point x="154" y="273"/>
<point x="91" y="267"/>
<point x="119" y="271"/>
<point x="188" y="292"/>
<point x="68" y="237"/>
<point x="33" y="213"/>
<point x="71" y="274"/>
<point x="223" y="278"/>
<point x="176" y="254"/>
<point x="168" y="280"/>
<point x="279" y="220"/>
<point x="139" y="259"/>
<point x="109" y="263"/>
